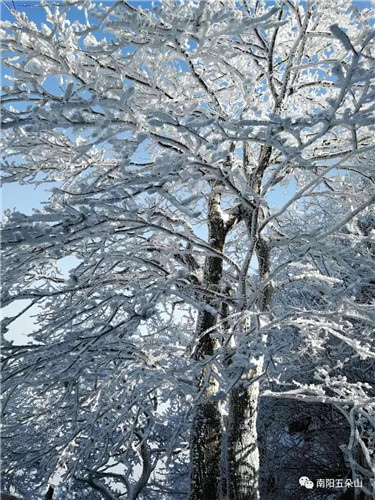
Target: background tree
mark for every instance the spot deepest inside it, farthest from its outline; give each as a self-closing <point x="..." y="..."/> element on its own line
<point x="310" y="436"/>
<point x="168" y="133"/>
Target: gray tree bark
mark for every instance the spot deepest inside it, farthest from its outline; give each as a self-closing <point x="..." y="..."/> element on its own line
<point x="242" y="446"/>
<point x="206" y="433"/>
<point x="242" y="438"/>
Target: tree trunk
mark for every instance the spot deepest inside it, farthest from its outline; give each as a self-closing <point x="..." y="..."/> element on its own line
<point x="206" y="433"/>
<point x="242" y="446"/>
<point x="205" y="451"/>
<point x="242" y="438"/>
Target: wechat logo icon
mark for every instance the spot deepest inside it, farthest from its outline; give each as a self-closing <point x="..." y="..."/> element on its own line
<point x="305" y="481"/>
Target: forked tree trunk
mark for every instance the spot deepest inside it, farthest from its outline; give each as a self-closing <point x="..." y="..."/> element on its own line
<point x="206" y="433"/>
<point x="242" y="437"/>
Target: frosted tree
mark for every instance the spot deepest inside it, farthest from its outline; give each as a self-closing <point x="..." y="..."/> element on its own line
<point x="167" y="134"/>
<point x="326" y="440"/>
